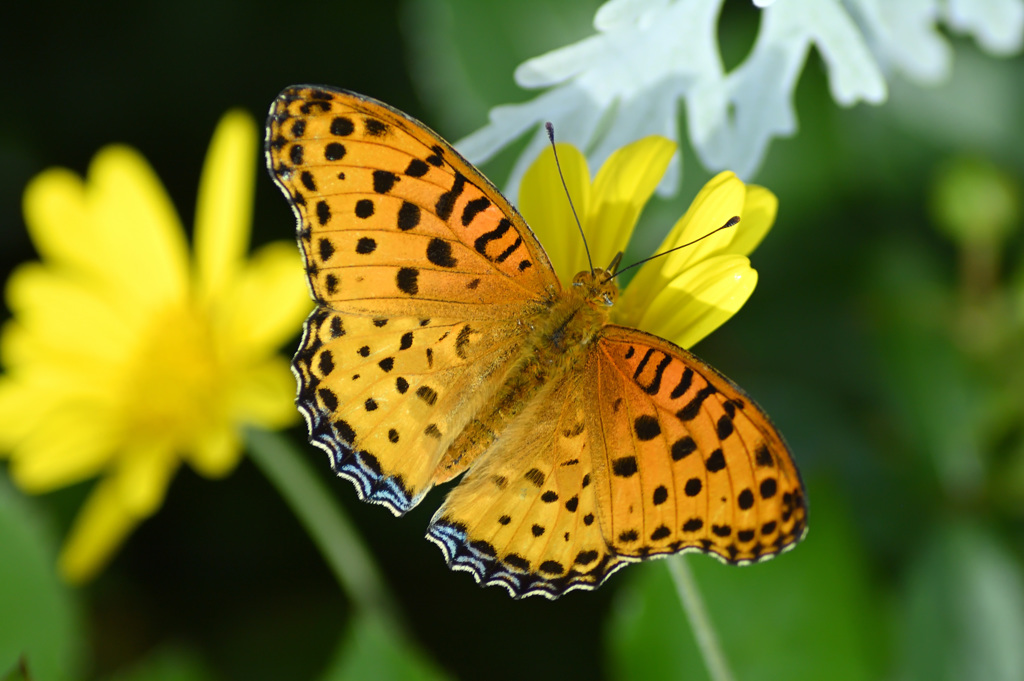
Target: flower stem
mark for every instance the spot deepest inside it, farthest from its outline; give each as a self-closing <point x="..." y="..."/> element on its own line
<point x="326" y="523"/>
<point x="703" y="630"/>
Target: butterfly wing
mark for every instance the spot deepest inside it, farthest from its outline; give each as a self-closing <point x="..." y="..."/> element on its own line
<point x="386" y="400"/>
<point x="525" y="516"/>
<point x="685" y="460"/>
<point x="421" y="271"/>
<point x="391" y="218"/>
<point x="652" y="452"/>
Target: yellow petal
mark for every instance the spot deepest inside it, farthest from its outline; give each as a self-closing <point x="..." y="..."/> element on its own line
<point x="19" y="411"/>
<point x="700" y="300"/>
<point x="759" y="209"/>
<point x="58" y="220"/>
<point x="142" y="476"/>
<point x="66" y="315"/>
<point x="718" y="201"/>
<point x="136" y="228"/>
<point x="28" y="400"/>
<point x="216" y="453"/>
<point x="55" y="377"/>
<point x="621" y="190"/>
<point x="224" y="205"/>
<point x="264" y="395"/>
<point x="98" y="530"/>
<point x="75" y="441"/>
<point x="266" y="304"/>
<point x="544" y="205"/>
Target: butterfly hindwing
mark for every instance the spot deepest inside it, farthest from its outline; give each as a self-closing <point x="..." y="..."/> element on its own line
<point x="384" y="397"/>
<point x="685" y="459"/>
<point x="525" y="517"/>
<point x="391" y="218"/>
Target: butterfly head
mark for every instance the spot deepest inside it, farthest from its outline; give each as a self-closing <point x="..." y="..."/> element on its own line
<point x="597" y="287"/>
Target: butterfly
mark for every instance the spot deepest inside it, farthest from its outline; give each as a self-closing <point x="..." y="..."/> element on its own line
<point x="443" y="344"/>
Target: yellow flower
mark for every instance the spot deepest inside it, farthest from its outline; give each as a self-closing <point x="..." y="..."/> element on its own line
<point x="681" y="297"/>
<point x="124" y="358"/>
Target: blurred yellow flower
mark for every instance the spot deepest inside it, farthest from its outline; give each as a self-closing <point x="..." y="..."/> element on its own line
<point x="123" y="358"/>
<point x="681" y="297"/>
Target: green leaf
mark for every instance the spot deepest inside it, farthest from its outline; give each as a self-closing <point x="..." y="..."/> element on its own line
<point x="38" y="620"/>
<point x="808" y="614"/>
<point x="964" y="610"/>
<point x="170" y="663"/>
<point x="373" y="650"/>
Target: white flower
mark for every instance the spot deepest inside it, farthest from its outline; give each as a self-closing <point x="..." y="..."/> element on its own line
<point x="648" y="56"/>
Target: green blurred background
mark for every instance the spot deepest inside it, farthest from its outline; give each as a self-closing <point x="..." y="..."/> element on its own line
<point x="886" y="339"/>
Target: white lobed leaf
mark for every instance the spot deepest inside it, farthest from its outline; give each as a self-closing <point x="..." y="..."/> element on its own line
<point x="650" y="57"/>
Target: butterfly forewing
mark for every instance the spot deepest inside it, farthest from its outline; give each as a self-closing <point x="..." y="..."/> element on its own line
<point x="390" y="215"/>
<point x="686" y="460"/>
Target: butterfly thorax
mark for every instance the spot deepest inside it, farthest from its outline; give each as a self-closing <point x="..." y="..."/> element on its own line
<point x="558" y="338"/>
<point x="562" y="332"/>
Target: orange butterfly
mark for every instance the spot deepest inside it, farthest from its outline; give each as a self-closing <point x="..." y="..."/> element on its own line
<point x="443" y="342"/>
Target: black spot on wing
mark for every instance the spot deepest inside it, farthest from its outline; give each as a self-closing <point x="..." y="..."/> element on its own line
<point x="383" y="181"/>
<point x="326" y="249"/>
<point x="417" y="168"/>
<point x="307" y="181"/>
<point x="646" y="427"/>
<point x="535" y="476"/>
<point x="375" y="128"/>
<point x="624" y="467"/>
<point x="335" y="151"/>
<point x="473" y="208"/>
<point x="654" y="386"/>
<point x="684" y="384"/>
<point x="692" y="408"/>
<point x="408" y="280"/>
<point x="408" y="216"/>
<point x="342" y="126"/>
<point x="481" y="241"/>
<point x="716" y="461"/>
<point x="439" y="252"/>
<point x="446" y="202"/>
<point x="323" y="212"/>
<point x="364" y="208"/>
<point x="683" y="447"/>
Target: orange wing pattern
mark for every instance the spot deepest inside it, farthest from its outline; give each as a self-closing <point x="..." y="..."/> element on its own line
<point x="385" y="397"/>
<point x="391" y="219"/>
<point x="652" y="453"/>
<point x="526" y="516"/>
<point x="686" y="460"/>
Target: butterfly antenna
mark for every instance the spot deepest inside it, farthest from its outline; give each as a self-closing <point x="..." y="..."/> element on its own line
<point x="732" y="222"/>
<point x="551" y="137"/>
